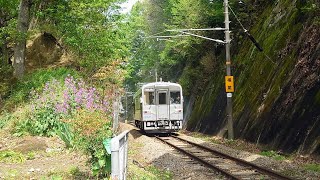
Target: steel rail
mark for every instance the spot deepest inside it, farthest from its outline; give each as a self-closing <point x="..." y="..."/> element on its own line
<point x="243" y="162"/>
<point x="201" y="160"/>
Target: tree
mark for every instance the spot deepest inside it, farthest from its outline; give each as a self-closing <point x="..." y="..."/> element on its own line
<point x="20" y="46"/>
<point x="8" y="14"/>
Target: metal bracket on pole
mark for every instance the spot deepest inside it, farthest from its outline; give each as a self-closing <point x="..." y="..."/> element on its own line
<point x="184" y="31"/>
<point x="215" y="40"/>
<point x="203" y="29"/>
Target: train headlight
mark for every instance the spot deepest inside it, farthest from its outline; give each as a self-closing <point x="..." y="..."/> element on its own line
<point x="148" y="124"/>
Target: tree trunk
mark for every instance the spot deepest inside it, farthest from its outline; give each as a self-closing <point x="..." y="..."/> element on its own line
<point x="20" y="46"/>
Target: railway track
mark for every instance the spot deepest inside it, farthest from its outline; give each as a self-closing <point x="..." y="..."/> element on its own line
<point x="231" y="167"/>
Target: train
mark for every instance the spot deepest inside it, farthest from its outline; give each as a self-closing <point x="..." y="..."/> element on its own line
<point x="158" y="107"/>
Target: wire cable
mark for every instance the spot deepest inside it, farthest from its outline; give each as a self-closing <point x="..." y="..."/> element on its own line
<point x="234" y="14"/>
<point x="246" y="31"/>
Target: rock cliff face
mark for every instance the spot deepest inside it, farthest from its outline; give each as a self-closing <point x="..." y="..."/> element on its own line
<point x="42" y="50"/>
<point x="277" y="97"/>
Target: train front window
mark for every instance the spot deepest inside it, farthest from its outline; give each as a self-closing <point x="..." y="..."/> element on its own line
<point x="162" y="98"/>
<point x="149" y="98"/>
<point x="175" y="97"/>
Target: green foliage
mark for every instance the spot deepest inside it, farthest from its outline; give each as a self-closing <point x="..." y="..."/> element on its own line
<point x="150" y="172"/>
<point x="8" y="23"/>
<point x="75" y="112"/>
<point x="75" y="171"/>
<point x="66" y="135"/>
<point x="310" y="7"/>
<point x="169" y="58"/>
<point x="90" y="130"/>
<point x="7" y="80"/>
<point x="312" y="167"/>
<point x="160" y="174"/>
<point x="72" y="173"/>
<point x="5" y="117"/>
<point x="31" y="155"/>
<point x="91" y="29"/>
<point x="187" y="79"/>
<point x="43" y="122"/>
<point x="11" y="157"/>
<point x="36" y="80"/>
<point x="273" y="155"/>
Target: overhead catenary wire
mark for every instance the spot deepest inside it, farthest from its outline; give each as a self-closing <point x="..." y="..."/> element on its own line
<point x="246" y="31"/>
<point x="250" y="36"/>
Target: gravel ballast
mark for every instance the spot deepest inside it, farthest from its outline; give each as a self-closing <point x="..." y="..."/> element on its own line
<point x="148" y="151"/>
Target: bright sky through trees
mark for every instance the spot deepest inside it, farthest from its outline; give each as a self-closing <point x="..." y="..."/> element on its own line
<point x="127" y="6"/>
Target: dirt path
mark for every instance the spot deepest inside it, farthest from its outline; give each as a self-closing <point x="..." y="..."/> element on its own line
<point x="34" y="157"/>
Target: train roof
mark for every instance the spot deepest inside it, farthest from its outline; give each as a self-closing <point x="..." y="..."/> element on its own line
<point x="156" y="84"/>
<point x="161" y="84"/>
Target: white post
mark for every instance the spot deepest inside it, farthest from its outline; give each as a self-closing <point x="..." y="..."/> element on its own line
<point x="119" y="156"/>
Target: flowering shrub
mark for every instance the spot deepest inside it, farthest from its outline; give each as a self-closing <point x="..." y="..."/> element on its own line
<point x="77" y="113"/>
<point x="68" y="97"/>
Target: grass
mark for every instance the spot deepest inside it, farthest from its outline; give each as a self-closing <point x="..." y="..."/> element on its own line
<point x="31" y="155"/>
<point x="202" y="137"/>
<point x="72" y="173"/>
<point x="11" y="157"/>
<point x="273" y="155"/>
<point x="312" y="167"/>
<point x="148" y="173"/>
<point x="12" y="174"/>
<point x="5" y="117"/>
<point x="135" y="149"/>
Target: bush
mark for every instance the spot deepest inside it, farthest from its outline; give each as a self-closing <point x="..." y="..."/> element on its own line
<point x="36" y="80"/>
<point x="77" y="113"/>
<point x="90" y="129"/>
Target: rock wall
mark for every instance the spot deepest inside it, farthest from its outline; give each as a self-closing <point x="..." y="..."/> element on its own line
<point x="42" y="50"/>
<point x="277" y="97"/>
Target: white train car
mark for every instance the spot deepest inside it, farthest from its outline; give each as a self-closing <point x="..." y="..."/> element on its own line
<point x="159" y="107"/>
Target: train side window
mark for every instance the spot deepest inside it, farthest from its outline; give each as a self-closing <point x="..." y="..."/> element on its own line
<point x="149" y="98"/>
<point x="162" y="98"/>
<point x="175" y="97"/>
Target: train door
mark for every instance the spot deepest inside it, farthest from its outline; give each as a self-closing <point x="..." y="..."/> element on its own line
<point x="162" y="104"/>
<point x="176" y="107"/>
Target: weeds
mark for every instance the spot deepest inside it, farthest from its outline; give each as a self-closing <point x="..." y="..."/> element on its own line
<point x="150" y="172"/>
<point x="5" y="117"/>
<point x="31" y="155"/>
<point x="11" y="157"/>
<point x="161" y="174"/>
<point x="312" y="167"/>
<point x="273" y="155"/>
<point x="73" y="173"/>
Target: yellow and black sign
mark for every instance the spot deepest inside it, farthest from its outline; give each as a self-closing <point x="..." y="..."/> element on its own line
<point x="229" y="84"/>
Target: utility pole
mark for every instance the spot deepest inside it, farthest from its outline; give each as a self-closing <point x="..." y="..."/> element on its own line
<point x="228" y="78"/>
<point x="229" y="82"/>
